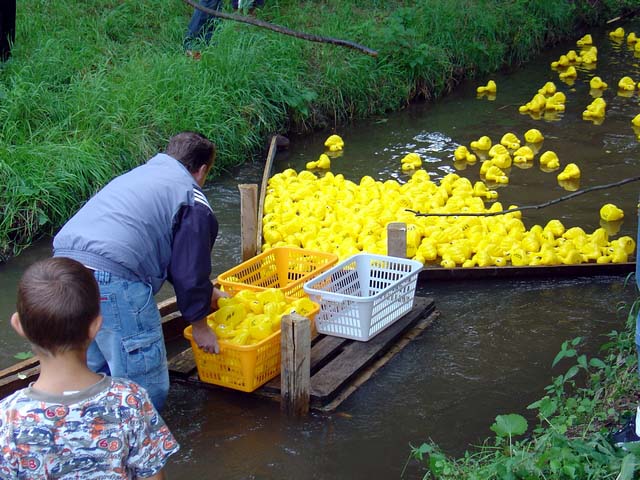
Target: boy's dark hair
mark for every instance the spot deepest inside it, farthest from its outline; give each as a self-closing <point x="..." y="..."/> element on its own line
<point x="58" y="299"/>
<point x="192" y="149"/>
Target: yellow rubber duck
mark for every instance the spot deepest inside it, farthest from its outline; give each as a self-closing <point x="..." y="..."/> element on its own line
<point x="550" y="160"/>
<point x="589" y="56"/>
<point x="523" y="155"/>
<point x="627" y="243"/>
<point x="636" y="120"/>
<point x="597" y="84"/>
<point x="595" y="109"/>
<point x="563" y="61"/>
<point x="482" y="144"/>
<point x="627" y="83"/>
<point x="632" y="38"/>
<point x="585" y="41"/>
<point x="570" y="172"/>
<point x="573" y="56"/>
<point x="556" y="102"/>
<point x="495" y="174"/>
<point x="510" y="141"/>
<point x="610" y="213"/>
<point x="547" y="89"/>
<point x="536" y="104"/>
<point x="533" y="135"/>
<point x="411" y="161"/>
<point x="498" y="149"/>
<point x="490" y="87"/>
<point x="570" y="72"/>
<point x="462" y="154"/>
<point x="618" y="33"/>
<point x="334" y="143"/>
<point x="323" y="162"/>
<point x="503" y="160"/>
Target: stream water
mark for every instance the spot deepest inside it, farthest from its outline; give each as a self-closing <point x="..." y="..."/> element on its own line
<point x="490" y="352"/>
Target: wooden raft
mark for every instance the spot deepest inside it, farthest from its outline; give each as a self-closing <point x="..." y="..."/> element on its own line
<point x="338" y="366"/>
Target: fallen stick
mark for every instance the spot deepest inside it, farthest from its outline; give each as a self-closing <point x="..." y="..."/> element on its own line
<point x="280" y="29"/>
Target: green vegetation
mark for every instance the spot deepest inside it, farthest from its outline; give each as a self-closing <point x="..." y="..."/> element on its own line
<point x="94" y="88"/>
<point x="575" y="416"/>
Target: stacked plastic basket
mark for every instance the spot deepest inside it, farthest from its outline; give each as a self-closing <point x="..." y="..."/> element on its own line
<point x="363" y="295"/>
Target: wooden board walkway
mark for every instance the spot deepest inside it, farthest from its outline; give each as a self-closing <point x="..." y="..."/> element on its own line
<point x="338" y="366"/>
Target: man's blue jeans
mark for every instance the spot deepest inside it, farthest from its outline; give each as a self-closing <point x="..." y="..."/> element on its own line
<point x="201" y="26"/>
<point x="130" y="343"/>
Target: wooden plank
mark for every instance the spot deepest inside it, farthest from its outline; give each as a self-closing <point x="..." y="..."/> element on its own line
<point x="167" y="306"/>
<point x="326" y="383"/>
<point x="173" y="326"/>
<point x="18" y="380"/>
<point x="183" y="364"/>
<point x="273" y="148"/>
<point x="367" y="373"/>
<point x="295" y="343"/>
<point x="18" y="367"/>
<point x="248" y="220"/>
<point x="584" y="269"/>
<point x="325" y="350"/>
<point x="397" y="239"/>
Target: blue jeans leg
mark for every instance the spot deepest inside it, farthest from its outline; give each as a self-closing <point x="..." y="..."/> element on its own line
<point x="130" y="342"/>
<point x="202" y="25"/>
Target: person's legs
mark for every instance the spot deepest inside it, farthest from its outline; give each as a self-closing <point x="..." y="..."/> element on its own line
<point x="202" y="25"/>
<point x="7" y="27"/>
<point x="130" y="340"/>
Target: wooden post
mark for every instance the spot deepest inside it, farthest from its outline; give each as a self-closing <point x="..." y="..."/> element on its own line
<point x="295" y="373"/>
<point x="397" y="239"/>
<point x="266" y="173"/>
<point x="248" y="220"/>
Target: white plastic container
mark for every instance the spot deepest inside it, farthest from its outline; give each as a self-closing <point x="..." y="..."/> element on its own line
<point x="363" y="295"/>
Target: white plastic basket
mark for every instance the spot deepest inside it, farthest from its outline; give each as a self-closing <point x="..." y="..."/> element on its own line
<point x="363" y="295"/>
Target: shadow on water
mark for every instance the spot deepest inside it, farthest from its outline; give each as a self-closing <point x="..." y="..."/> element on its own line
<point x="491" y="350"/>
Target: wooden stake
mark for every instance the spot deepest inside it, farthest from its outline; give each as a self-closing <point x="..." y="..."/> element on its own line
<point x="248" y="220"/>
<point x="397" y="239"/>
<point x="273" y="148"/>
<point x="295" y="373"/>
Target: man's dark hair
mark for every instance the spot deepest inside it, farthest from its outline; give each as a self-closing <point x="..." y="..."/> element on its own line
<point x="58" y="299"/>
<point x="192" y="149"/>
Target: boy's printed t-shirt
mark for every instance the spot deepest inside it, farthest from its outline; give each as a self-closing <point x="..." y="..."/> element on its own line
<point x="109" y="431"/>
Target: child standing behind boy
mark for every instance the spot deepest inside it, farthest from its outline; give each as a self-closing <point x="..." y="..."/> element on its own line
<point x="72" y="422"/>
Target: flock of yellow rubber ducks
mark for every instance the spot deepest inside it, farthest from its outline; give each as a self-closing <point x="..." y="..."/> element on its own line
<point x="329" y="213"/>
<point x="250" y="316"/>
<point x="332" y="214"/>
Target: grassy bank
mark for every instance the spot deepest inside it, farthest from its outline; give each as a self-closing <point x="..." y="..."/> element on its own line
<point x="571" y="439"/>
<point x="96" y="87"/>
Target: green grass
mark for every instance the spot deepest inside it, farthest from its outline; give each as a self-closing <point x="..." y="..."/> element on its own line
<point x="96" y="87"/>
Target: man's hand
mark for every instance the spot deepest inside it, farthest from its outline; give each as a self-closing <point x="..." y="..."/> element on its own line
<point x="204" y="337"/>
<point x="215" y="295"/>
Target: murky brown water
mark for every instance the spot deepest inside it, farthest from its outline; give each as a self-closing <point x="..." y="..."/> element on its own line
<point x="491" y="350"/>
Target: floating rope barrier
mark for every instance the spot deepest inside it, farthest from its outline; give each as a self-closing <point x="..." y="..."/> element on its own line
<point x="529" y="207"/>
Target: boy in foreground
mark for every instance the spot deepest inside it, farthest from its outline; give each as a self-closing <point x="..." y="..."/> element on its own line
<point x="72" y="422"/>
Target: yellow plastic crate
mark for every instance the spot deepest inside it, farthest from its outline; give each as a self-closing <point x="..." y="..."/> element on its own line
<point x="241" y="367"/>
<point x="286" y="268"/>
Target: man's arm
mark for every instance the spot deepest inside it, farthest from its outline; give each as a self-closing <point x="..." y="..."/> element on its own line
<point x="190" y="269"/>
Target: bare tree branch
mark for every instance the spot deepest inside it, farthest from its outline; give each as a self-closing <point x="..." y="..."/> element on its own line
<point x="283" y="30"/>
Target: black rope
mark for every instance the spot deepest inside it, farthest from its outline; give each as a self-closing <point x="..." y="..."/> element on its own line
<point x="529" y="207"/>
